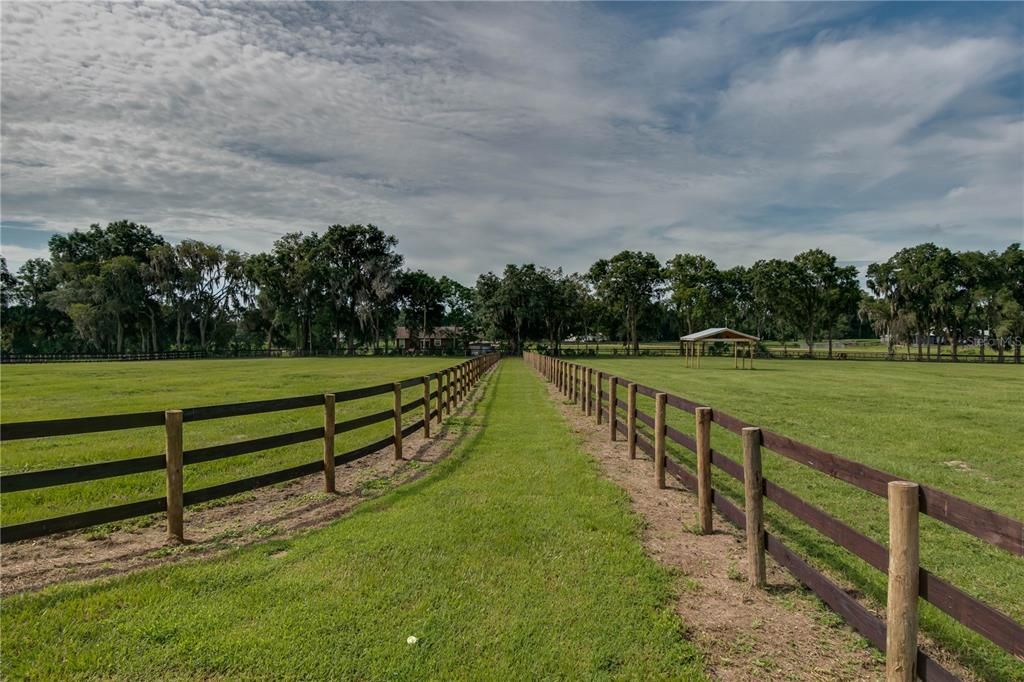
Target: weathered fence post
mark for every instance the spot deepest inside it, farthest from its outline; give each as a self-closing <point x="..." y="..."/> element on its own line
<point x="590" y="392"/>
<point x="631" y="419"/>
<point x="753" y="485"/>
<point x="613" y="407"/>
<point x="426" y="406"/>
<point x="904" y="569"/>
<point x="659" y="439"/>
<point x="398" y="420"/>
<point x="600" y="400"/>
<point x="440" y="416"/>
<point x="175" y="480"/>
<point x="703" y="438"/>
<point x="329" y="418"/>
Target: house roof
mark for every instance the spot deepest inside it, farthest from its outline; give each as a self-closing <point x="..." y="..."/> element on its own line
<point x="445" y="332"/>
<point x="719" y="334"/>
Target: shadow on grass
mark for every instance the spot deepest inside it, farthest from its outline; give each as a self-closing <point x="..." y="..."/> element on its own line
<point x="462" y="447"/>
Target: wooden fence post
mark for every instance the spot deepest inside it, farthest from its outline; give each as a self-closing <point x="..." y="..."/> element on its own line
<point x="398" y="420"/>
<point x="330" y="417"/>
<point x="703" y="438"/>
<point x="613" y="407"/>
<point x="426" y="407"/>
<point x="904" y="569"/>
<point x="590" y="392"/>
<point x="440" y="415"/>
<point x="753" y="486"/>
<point x="175" y="479"/>
<point x="631" y="419"/>
<point x="600" y="400"/>
<point x="659" y="439"/>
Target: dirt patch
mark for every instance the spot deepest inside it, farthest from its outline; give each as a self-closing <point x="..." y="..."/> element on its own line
<point x="276" y="511"/>
<point x="781" y="633"/>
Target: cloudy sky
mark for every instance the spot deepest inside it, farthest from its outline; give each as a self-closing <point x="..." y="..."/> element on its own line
<point x="488" y="134"/>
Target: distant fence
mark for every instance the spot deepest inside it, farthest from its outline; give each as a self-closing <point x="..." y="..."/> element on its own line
<point x="585" y="385"/>
<point x="39" y="358"/>
<point x="798" y="354"/>
<point x="453" y="385"/>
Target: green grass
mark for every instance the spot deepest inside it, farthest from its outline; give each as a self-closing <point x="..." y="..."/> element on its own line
<point x="911" y="420"/>
<point x="513" y="559"/>
<point x="30" y="392"/>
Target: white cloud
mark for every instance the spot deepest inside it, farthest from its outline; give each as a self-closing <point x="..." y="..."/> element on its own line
<point x="487" y="134"/>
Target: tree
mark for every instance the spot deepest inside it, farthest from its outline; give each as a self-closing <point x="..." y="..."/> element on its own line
<point x="361" y="270"/>
<point x="422" y="302"/>
<point x="842" y="294"/>
<point x="694" y="284"/>
<point x="627" y="283"/>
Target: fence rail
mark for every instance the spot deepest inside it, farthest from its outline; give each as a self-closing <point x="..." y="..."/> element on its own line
<point x="990" y="357"/>
<point x="38" y="358"/>
<point x="578" y="383"/>
<point x="452" y="386"/>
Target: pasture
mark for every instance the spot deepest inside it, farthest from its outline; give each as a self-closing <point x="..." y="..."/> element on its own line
<point x="56" y="391"/>
<point x="955" y="427"/>
<point x="513" y="559"/>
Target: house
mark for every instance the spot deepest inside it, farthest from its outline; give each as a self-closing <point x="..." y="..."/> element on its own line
<point x="447" y="339"/>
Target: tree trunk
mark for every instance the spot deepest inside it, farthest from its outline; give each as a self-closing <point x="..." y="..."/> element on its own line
<point x="120" y="336"/>
<point x="830" y="342"/>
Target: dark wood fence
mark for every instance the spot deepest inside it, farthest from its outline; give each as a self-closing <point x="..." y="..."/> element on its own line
<point x="44" y="358"/>
<point x="586" y="386"/>
<point x="452" y="386"/>
<point x="990" y="357"/>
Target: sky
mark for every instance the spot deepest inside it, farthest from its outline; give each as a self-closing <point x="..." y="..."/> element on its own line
<point x="486" y="134"/>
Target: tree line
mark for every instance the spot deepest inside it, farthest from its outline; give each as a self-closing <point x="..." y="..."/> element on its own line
<point x="124" y="288"/>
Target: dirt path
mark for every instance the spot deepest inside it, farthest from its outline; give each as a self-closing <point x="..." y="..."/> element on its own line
<point x="746" y="634"/>
<point x="275" y="511"/>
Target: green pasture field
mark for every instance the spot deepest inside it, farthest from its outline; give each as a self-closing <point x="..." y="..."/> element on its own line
<point x="66" y="390"/>
<point x="513" y="559"/>
<point x="958" y="428"/>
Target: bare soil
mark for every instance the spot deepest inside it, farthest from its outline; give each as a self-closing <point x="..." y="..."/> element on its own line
<point x="276" y="511"/>
<point x="781" y="633"/>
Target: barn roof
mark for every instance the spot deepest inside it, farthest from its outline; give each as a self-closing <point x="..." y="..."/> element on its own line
<point x="719" y="334"/>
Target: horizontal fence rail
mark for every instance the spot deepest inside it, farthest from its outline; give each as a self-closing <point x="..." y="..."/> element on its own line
<point x="462" y="349"/>
<point x="452" y="387"/>
<point x="990" y="357"/>
<point x="586" y="386"/>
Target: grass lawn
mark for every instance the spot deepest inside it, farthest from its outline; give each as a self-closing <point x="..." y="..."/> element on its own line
<point x="511" y="560"/>
<point x="959" y="428"/>
<point x="30" y="392"/>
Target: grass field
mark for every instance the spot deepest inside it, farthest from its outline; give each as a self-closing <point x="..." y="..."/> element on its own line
<point x="959" y="428"/>
<point x="511" y="560"/>
<point x="53" y="391"/>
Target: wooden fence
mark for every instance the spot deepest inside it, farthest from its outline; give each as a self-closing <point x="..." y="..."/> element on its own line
<point x="897" y="635"/>
<point x="990" y="357"/>
<point x="362" y="351"/>
<point x="453" y="385"/>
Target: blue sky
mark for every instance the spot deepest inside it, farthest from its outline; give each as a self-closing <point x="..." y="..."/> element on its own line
<point x="551" y="133"/>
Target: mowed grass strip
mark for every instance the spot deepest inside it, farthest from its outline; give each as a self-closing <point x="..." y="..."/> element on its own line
<point x="957" y="428"/>
<point x="57" y="391"/>
<point x="511" y="560"/>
